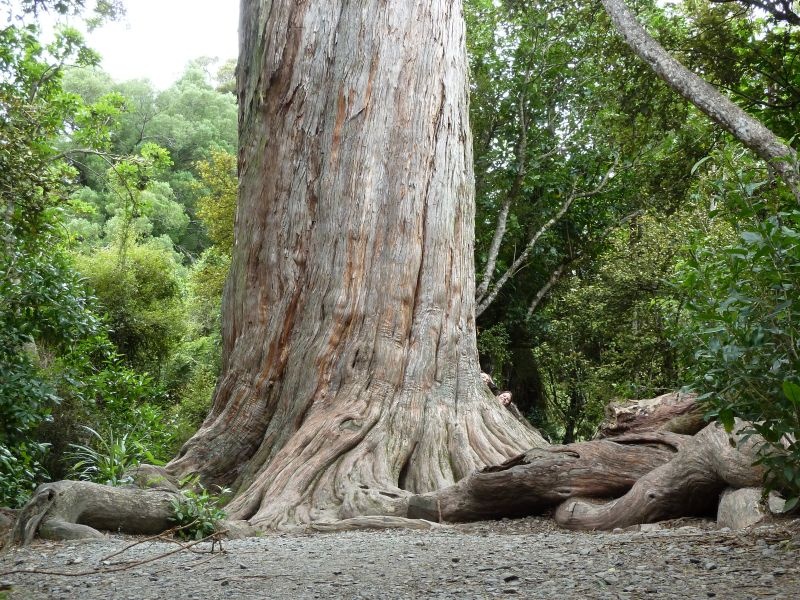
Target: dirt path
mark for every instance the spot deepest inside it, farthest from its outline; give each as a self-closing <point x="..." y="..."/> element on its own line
<point x="525" y="558"/>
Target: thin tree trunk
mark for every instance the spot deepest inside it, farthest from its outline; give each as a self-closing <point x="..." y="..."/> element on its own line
<point x="554" y="278"/>
<point x="350" y="371"/>
<point x="519" y="262"/>
<point x="511" y="196"/>
<point x="523" y="257"/>
<point x="745" y="128"/>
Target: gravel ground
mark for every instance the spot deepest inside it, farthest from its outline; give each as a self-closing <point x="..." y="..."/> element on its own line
<point x="527" y="558"/>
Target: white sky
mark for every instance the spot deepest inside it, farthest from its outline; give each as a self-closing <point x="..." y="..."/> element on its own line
<point x="156" y="38"/>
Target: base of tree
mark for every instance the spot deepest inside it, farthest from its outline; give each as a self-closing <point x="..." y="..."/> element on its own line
<point x="651" y="476"/>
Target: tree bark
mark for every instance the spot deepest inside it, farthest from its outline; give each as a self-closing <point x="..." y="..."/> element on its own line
<point x="745" y="128"/>
<point x="540" y="479"/>
<point x="676" y="412"/>
<point x="78" y="509"/>
<point x="350" y="371"/>
<point x="688" y="485"/>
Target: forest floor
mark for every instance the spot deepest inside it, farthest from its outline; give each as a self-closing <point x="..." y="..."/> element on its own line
<point x="526" y="558"/>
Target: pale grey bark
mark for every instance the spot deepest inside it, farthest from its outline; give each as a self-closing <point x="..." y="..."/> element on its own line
<point x="78" y="509"/>
<point x="745" y="128"/>
<point x="511" y="196"/>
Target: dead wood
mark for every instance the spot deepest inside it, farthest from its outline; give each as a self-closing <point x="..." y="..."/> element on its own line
<point x="78" y="509"/>
<point x="677" y="412"/>
<point x="543" y="478"/>
<point x="690" y="484"/>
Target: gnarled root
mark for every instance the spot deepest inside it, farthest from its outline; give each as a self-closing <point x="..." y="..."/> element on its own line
<point x="677" y="412"/>
<point x="690" y="484"/>
<point x="542" y="478"/>
<point x="78" y="509"/>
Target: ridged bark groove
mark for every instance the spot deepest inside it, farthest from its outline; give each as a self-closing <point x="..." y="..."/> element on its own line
<point x="349" y="330"/>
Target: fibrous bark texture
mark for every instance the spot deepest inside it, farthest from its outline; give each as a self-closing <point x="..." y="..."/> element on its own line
<point x="540" y="479"/>
<point x="78" y="509"/>
<point x="350" y="373"/>
<point x="677" y="412"/>
<point x="690" y="484"/>
<point x="745" y="128"/>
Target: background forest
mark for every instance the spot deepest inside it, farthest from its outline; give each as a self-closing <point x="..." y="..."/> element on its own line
<point x="625" y="247"/>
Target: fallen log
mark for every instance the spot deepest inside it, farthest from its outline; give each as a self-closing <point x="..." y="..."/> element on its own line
<point x="688" y="485"/>
<point x="79" y="509"/>
<point x="677" y="412"/>
<point x="543" y="478"/>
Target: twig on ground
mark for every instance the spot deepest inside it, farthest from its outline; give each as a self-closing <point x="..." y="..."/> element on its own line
<point x="214" y="538"/>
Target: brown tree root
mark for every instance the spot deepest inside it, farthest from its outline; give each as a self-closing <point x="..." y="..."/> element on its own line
<point x="375" y="522"/>
<point x="543" y="478"/>
<point x="677" y="412"/>
<point x="78" y="509"/>
<point x="690" y="484"/>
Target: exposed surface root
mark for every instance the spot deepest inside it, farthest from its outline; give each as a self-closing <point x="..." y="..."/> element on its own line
<point x="539" y="479"/>
<point x="78" y="509"/>
<point x="375" y="522"/>
<point x="689" y="484"/>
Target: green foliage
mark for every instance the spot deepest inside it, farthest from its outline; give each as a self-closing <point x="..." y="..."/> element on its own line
<point x="493" y="347"/>
<point x="80" y="182"/>
<point x="142" y="300"/>
<point x="48" y="335"/>
<point x="106" y="458"/>
<point x="608" y="331"/>
<point x="741" y="280"/>
<point x="197" y="512"/>
<point x="21" y="469"/>
<point x="587" y="315"/>
<point x="46" y="322"/>
<point x="217" y="207"/>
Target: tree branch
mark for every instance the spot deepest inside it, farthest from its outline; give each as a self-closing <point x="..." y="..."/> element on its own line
<point x="502" y="218"/>
<point x="781" y="10"/>
<point x="554" y="278"/>
<point x="520" y="260"/>
<point x="747" y="129"/>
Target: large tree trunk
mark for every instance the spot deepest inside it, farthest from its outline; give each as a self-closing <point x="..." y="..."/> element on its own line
<point x="350" y="376"/>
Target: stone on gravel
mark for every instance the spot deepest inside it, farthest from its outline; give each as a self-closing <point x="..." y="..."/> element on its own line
<point x="744" y="507"/>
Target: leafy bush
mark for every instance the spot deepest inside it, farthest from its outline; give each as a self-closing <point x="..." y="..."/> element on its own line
<point x="20" y="469"/>
<point x="744" y="318"/>
<point x="142" y="298"/>
<point x="106" y="459"/>
<point x="197" y="513"/>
